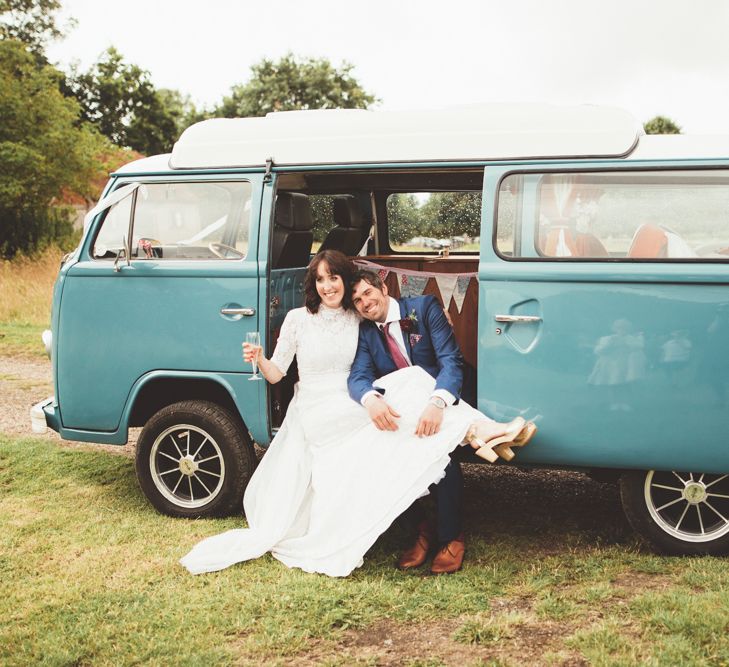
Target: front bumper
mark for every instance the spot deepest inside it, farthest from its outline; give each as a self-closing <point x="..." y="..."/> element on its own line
<point x="43" y="416"/>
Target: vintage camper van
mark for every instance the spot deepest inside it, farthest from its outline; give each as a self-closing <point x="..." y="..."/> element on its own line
<point x="585" y="267"/>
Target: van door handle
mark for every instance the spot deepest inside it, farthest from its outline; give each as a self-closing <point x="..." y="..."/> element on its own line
<point x="517" y="318"/>
<point x="247" y="312"/>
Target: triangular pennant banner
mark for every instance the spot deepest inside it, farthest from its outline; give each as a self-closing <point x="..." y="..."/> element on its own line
<point x="446" y="285"/>
<point x="412" y="285"/>
<point x="383" y="273"/>
<point x="459" y="294"/>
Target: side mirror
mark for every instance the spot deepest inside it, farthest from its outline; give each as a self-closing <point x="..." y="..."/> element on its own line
<point x="123" y="251"/>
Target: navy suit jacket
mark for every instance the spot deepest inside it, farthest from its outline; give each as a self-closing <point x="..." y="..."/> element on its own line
<point x="430" y="345"/>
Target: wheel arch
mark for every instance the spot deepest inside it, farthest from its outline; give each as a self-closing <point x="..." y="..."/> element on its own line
<point x="158" y="389"/>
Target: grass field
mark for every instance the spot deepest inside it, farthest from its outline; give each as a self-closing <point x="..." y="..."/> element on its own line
<point x="553" y="575"/>
<point x="90" y="576"/>
<point x="26" y="289"/>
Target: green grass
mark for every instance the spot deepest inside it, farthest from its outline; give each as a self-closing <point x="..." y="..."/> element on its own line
<point x="22" y="338"/>
<point x="26" y="287"/>
<point x="90" y="576"/>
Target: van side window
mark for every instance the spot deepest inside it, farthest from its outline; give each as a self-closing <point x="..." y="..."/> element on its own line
<point x="181" y="221"/>
<point x="114" y="230"/>
<point x="626" y="215"/>
<point x="431" y="221"/>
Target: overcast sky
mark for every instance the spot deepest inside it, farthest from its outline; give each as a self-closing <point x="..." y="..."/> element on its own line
<point x="650" y="57"/>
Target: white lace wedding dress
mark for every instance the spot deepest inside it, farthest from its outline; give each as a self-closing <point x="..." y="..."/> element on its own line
<point x="331" y="483"/>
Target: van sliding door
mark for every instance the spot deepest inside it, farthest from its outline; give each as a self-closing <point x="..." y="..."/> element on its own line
<point x="604" y="313"/>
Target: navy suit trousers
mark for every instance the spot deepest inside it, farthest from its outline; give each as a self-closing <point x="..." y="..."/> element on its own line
<point x="449" y="505"/>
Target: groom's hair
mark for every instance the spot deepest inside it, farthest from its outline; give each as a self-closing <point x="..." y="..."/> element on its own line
<point x="371" y="277"/>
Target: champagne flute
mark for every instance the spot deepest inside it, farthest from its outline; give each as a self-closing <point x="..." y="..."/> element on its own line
<point x="254" y="338"/>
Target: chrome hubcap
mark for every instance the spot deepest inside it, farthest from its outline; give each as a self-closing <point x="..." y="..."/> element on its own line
<point x="693" y="507"/>
<point x="694" y="493"/>
<point x="187" y="466"/>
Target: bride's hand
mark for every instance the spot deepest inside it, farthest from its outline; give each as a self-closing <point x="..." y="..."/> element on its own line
<point x="251" y="352"/>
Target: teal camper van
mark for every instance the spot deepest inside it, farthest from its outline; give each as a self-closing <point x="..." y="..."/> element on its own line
<point x="584" y="265"/>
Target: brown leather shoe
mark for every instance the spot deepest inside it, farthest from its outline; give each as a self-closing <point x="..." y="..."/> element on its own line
<point x="415" y="556"/>
<point x="450" y="558"/>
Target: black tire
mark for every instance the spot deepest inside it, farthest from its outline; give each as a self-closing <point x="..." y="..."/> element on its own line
<point x="678" y="513"/>
<point x="194" y="459"/>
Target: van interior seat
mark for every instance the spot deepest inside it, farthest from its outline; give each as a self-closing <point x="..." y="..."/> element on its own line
<point x="588" y="245"/>
<point x="351" y="227"/>
<point x="649" y="242"/>
<point x="560" y="242"/>
<point x="292" y="231"/>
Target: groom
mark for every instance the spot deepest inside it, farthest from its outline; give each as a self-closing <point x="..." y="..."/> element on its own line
<point x="395" y="334"/>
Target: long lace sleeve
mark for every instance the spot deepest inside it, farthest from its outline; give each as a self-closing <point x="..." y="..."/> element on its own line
<point x="286" y="345"/>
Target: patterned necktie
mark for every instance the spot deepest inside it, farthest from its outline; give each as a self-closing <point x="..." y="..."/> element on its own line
<point x="395" y="353"/>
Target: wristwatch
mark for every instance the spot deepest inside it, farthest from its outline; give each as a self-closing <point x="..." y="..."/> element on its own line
<point x="438" y="402"/>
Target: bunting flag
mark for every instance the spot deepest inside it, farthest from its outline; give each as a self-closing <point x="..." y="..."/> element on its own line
<point x="446" y="285"/>
<point x="366" y="264"/>
<point x="459" y="294"/>
<point x="411" y="285"/>
<point x="383" y="273"/>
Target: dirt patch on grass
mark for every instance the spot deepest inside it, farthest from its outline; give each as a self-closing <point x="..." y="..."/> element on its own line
<point x="513" y="632"/>
<point x="24" y="381"/>
<point x="528" y="642"/>
<point x="632" y="583"/>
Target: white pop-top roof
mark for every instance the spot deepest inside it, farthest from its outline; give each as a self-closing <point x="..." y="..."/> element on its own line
<point x="495" y="131"/>
<point x="491" y="132"/>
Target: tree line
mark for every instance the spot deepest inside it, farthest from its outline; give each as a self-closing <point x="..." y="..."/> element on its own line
<point x="61" y="132"/>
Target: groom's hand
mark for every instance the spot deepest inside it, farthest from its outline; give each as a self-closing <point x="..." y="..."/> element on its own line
<point x="430" y="420"/>
<point x="381" y="414"/>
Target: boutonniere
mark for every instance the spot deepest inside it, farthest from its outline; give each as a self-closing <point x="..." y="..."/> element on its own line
<point x="409" y="324"/>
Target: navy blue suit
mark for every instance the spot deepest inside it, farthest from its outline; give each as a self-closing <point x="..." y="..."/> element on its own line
<point x="437" y="352"/>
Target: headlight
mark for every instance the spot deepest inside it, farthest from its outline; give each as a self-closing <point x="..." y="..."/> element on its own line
<point x="47" y="337"/>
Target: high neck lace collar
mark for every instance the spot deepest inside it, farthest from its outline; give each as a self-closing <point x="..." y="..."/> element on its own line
<point x="328" y="313"/>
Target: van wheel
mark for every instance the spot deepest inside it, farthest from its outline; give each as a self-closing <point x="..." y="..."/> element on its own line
<point x="194" y="460"/>
<point x="678" y="512"/>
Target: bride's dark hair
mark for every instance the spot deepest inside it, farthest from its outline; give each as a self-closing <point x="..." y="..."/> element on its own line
<point x="339" y="265"/>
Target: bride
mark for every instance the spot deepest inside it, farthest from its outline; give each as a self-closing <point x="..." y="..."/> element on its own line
<point x="331" y="482"/>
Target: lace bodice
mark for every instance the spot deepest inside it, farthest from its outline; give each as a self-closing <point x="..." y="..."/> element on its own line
<point x="324" y="342"/>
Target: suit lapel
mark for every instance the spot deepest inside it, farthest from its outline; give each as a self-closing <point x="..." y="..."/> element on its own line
<point x="406" y="337"/>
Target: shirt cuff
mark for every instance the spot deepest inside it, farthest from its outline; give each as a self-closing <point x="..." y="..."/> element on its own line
<point x="371" y="392"/>
<point x="449" y="398"/>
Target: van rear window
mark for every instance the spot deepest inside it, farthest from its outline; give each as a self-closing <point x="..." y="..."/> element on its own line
<point x="428" y="222"/>
<point x="626" y="215"/>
